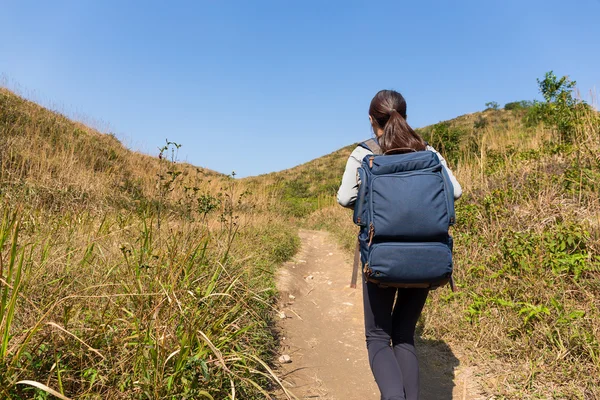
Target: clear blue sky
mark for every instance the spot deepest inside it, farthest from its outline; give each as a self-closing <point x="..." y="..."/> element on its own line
<point x="259" y="86"/>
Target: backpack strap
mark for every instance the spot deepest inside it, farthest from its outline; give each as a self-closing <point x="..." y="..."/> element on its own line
<point x="372" y="145"/>
<point x="400" y="150"/>
<point x="355" y="265"/>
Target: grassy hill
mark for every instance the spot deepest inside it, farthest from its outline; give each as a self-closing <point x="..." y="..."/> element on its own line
<point x="527" y="249"/>
<point x="50" y="161"/>
<point x="301" y="190"/>
<point x="527" y="244"/>
<point x="129" y="276"/>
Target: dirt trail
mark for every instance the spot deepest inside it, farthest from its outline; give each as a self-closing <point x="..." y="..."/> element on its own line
<point x="322" y="332"/>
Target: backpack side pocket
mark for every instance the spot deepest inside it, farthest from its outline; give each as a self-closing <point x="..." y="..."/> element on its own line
<point x="449" y="189"/>
<point x="359" y="216"/>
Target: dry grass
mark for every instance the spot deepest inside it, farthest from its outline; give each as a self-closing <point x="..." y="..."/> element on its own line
<point x="527" y="254"/>
<point x="47" y="159"/>
<point x="108" y="307"/>
<point x="141" y="278"/>
<point x="128" y="276"/>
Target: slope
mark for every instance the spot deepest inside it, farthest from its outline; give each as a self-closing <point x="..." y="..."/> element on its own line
<point x="157" y="244"/>
<point x="301" y="190"/>
<point x="527" y="245"/>
<point x="52" y="162"/>
<point x="127" y="276"/>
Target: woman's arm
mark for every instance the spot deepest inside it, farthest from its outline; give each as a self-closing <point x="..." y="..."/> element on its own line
<point x="455" y="184"/>
<point x="349" y="188"/>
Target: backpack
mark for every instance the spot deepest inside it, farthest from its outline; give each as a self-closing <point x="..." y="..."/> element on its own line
<point x="404" y="207"/>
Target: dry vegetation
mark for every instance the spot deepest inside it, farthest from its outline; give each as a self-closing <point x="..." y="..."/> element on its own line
<point x="527" y="253"/>
<point x="126" y="276"/>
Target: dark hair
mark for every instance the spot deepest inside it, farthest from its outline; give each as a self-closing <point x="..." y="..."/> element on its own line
<point x="388" y="111"/>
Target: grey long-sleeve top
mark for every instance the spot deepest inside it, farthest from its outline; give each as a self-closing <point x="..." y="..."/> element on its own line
<point x="349" y="188"/>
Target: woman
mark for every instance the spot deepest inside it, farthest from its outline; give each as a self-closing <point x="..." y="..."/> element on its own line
<point x="390" y="314"/>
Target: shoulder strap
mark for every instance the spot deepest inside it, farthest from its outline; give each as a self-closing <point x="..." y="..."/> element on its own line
<point x="371" y="144"/>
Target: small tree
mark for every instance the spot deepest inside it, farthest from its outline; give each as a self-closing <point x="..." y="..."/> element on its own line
<point x="559" y="108"/>
<point x="492" y="105"/>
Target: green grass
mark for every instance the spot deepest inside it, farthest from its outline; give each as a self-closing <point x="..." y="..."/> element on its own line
<point x="527" y="256"/>
<point x="120" y="310"/>
<point x="126" y="276"/>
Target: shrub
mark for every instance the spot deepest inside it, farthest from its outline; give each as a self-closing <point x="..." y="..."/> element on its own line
<point x="518" y="105"/>
<point x="492" y="105"/>
<point x="446" y="139"/>
<point x="560" y="110"/>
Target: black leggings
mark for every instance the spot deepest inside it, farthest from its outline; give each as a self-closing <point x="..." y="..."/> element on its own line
<point x="395" y="367"/>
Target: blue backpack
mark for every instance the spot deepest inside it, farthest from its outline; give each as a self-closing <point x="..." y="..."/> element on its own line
<point x="404" y="207"/>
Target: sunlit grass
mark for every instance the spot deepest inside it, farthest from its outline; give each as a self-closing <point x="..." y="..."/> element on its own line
<point x="527" y="257"/>
<point x="130" y="276"/>
<point x="120" y="311"/>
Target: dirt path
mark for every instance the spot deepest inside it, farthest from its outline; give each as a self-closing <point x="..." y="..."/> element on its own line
<point x="322" y="332"/>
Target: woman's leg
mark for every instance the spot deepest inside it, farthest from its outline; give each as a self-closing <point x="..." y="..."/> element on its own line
<point x="378" y="303"/>
<point x="408" y="307"/>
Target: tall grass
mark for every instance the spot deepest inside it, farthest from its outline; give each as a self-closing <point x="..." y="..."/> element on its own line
<point x="11" y="283"/>
<point x="527" y="255"/>
<point x="105" y="308"/>
<point x="128" y="276"/>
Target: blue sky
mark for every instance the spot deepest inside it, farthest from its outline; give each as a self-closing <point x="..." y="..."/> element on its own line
<point x="259" y="86"/>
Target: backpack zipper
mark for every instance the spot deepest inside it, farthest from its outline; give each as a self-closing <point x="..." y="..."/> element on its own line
<point x="371" y="233"/>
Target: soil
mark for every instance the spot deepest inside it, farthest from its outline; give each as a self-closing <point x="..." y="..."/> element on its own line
<point x="321" y="330"/>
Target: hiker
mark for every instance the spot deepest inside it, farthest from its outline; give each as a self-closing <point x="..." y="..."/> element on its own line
<point x="391" y="314"/>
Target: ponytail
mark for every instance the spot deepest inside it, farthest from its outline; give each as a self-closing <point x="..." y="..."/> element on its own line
<point x="388" y="111"/>
<point x="398" y="136"/>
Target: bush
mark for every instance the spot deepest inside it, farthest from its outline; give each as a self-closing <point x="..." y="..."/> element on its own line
<point x="492" y="105"/>
<point x="446" y="139"/>
<point x="480" y="123"/>
<point x="518" y="105"/>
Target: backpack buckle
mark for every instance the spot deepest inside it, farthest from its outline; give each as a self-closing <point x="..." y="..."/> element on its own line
<point x="367" y="271"/>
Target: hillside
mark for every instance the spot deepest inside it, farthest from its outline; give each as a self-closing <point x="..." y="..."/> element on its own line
<point x="49" y="161"/>
<point x="303" y="189"/>
<point x="527" y="243"/>
<point x="527" y="248"/>
<point x="129" y="276"/>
